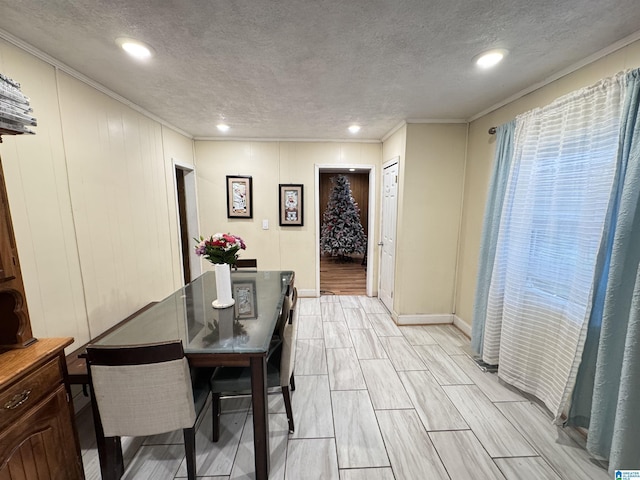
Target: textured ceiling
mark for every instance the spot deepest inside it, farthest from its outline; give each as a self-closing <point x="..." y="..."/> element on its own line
<point x="307" y="69"/>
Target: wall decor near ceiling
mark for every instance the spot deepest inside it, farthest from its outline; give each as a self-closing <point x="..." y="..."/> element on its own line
<point x="239" y="196"/>
<point x="15" y="112"/>
<point x="291" y="205"/>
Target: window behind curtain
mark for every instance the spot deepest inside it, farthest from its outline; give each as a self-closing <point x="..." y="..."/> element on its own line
<point x="551" y="227"/>
<point x="571" y="175"/>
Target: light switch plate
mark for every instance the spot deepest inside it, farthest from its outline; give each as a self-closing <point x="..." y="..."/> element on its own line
<point x="265" y="224"/>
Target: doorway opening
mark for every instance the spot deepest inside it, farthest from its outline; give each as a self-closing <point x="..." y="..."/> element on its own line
<point x="186" y="206"/>
<point x="340" y="276"/>
<point x="182" y="216"/>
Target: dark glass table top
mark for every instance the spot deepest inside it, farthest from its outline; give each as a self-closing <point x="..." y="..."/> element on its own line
<point x="187" y="314"/>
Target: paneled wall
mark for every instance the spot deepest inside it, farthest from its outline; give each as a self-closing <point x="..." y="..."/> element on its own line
<point x="93" y="203"/>
<point x="40" y="202"/>
<point x="119" y="200"/>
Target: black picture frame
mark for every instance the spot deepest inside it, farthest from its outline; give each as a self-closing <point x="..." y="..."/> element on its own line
<point x="291" y="205"/>
<point x="239" y="196"/>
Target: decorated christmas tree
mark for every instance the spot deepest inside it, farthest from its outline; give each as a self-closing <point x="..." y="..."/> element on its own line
<point x="342" y="233"/>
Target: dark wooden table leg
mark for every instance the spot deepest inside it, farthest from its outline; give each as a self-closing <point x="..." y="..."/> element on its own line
<point x="260" y="416"/>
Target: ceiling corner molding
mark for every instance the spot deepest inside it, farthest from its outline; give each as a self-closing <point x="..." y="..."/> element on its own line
<point x="387" y="135"/>
<point x="58" y="65"/>
<point x="436" y="120"/>
<point x="290" y="140"/>
<point x="628" y="40"/>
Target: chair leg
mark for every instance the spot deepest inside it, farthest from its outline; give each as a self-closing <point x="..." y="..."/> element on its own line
<point x="287" y="405"/>
<point x="114" y="462"/>
<point x="292" y="381"/>
<point x="215" y="415"/>
<point x="190" y="451"/>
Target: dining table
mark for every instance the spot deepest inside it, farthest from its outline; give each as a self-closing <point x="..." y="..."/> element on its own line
<point x="239" y="335"/>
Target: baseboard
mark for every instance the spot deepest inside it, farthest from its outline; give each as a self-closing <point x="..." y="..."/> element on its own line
<point x="463" y="326"/>
<point x="424" y="319"/>
<point x="306" y="293"/>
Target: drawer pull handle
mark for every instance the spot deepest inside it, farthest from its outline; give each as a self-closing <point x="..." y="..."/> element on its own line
<point x="17" y="400"/>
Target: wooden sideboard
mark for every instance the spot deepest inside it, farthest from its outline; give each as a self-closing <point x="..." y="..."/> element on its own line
<point x="15" y="328"/>
<point x="37" y="436"/>
<point x="38" y="439"/>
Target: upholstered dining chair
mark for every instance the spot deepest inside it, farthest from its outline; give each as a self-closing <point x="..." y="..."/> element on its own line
<point x="229" y="381"/>
<point x="144" y="390"/>
<point x="286" y="314"/>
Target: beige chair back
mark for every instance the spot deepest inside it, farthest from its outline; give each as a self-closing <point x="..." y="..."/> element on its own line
<point x="144" y="399"/>
<point x="287" y="360"/>
<point x="284" y="317"/>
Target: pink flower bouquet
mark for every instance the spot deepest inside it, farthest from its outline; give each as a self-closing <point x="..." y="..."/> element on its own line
<point x="220" y="248"/>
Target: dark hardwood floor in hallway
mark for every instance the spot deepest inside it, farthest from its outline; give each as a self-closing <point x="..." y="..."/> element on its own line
<point x="342" y="278"/>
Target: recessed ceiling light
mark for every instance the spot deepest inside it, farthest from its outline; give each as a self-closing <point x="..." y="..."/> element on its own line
<point x="135" y="48"/>
<point x="354" y="128"/>
<point x="490" y="58"/>
<point x="223" y="127"/>
<point x="352" y="169"/>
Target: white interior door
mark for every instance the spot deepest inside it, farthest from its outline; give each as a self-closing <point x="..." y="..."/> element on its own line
<point x="388" y="234"/>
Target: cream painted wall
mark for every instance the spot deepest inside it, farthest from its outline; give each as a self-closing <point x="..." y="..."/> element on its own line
<point x="480" y="151"/>
<point x="93" y="203"/>
<point x="38" y="190"/>
<point x="430" y="186"/>
<point x="272" y="163"/>
<point x="120" y="201"/>
<point x="395" y="145"/>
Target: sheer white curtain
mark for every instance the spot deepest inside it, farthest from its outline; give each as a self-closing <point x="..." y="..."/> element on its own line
<point x="551" y="227"/>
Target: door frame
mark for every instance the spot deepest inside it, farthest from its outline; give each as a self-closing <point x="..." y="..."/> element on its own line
<point x="193" y="224"/>
<point x="370" y="213"/>
<point x="394" y="160"/>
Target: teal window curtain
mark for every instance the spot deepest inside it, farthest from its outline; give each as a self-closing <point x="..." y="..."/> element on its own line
<point x="491" y="226"/>
<point x="552" y="223"/>
<point x="606" y="397"/>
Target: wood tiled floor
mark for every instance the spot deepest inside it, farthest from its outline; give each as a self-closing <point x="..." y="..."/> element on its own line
<point x="373" y="401"/>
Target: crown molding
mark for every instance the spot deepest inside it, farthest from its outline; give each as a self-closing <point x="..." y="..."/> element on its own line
<point x="292" y="140"/>
<point x="386" y="136"/>
<point x="57" y="64"/>
<point x="628" y="40"/>
<point x="435" y="120"/>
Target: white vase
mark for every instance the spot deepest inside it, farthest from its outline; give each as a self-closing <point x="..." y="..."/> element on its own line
<point x="223" y="286"/>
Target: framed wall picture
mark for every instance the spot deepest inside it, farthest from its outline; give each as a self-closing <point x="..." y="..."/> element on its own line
<point x="291" y="205"/>
<point x="239" y="197"/>
<point x="244" y="293"/>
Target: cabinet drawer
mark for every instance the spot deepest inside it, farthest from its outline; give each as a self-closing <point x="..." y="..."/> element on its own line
<point x="21" y="396"/>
